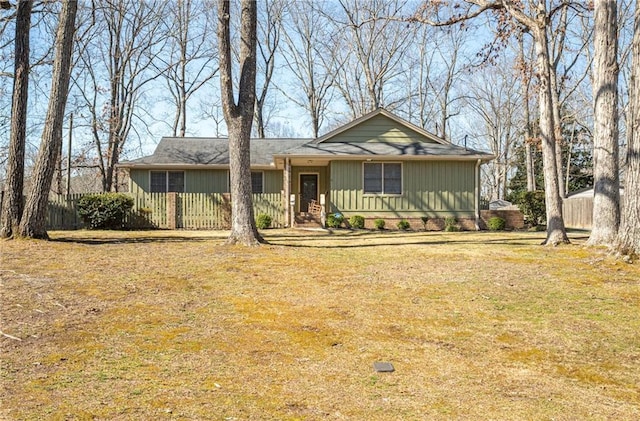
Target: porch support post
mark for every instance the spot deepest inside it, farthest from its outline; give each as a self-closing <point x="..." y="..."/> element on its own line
<point x="286" y="180"/>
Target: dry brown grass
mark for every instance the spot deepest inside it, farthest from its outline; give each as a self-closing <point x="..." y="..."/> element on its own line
<point x="174" y="325"/>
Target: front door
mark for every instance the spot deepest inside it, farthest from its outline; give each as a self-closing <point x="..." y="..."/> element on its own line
<point x="308" y="190"/>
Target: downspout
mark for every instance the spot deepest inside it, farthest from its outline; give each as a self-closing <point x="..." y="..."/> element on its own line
<point x="478" y="195"/>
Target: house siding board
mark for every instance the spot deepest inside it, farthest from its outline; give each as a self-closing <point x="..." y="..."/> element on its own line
<point x="379" y="128"/>
<point x="429" y="188"/>
<point x="139" y="180"/>
<point x="272" y="181"/>
<point x="206" y="181"/>
<point x="345" y="182"/>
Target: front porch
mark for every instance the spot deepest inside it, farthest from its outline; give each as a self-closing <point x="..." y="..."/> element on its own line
<point x="306" y="184"/>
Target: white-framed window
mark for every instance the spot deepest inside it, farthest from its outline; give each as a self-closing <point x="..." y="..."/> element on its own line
<point x="166" y="181"/>
<point x="257" y="181"/>
<point x="382" y="177"/>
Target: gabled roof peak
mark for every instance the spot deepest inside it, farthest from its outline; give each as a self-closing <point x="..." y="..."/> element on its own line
<point x="381" y="111"/>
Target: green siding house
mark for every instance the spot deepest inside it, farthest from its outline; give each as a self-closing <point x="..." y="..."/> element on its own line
<point x="377" y="166"/>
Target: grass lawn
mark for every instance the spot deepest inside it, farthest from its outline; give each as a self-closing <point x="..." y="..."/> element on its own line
<point x="163" y="325"/>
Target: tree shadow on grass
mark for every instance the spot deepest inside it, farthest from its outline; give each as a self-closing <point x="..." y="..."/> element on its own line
<point x="332" y="240"/>
<point x="395" y="238"/>
<point x="97" y="240"/>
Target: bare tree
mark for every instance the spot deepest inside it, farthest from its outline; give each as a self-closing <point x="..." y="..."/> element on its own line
<point x="526" y="75"/>
<point x="449" y="56"/>
<point x="420" y="106"/>
<point x="629" y="232"/>
<point x="12" y="203"/>
<point x="33" y="222"/>
<point x="606" y="200"/>
<point x="434" y="68"/>
<point x="535" y="17"/>
<point x="496" y="103"/>
<point x="114" y="68"/>
<point x="269" y="33"/>
<point x="371" y="47"/>
<point x="307" y="55"/>
<point x="7" y="70"/>
<point x="625" y="44"/>
<point x="570" y="61"/>
<point x="190" y="62"/>
<point x="557" y="34"/>
<point x="239" y="117"/>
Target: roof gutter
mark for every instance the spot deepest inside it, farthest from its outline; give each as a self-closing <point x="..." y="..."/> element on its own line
<point x="188" y="166"/>
<point x="332" y="157"/>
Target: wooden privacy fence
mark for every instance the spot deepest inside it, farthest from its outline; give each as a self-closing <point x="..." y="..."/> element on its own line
<point x="170" y="210"/>
<point x="578" y="213"/>
<point x="63" y="212"/>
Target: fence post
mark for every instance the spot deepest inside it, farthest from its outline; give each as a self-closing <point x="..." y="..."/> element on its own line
<point x="172" y="210"/>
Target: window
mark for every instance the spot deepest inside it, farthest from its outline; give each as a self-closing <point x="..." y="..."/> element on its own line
<point x="392" y="175"/>
<point x="158" y="183"/>
<point x="175" y="181"/>
<point x="166" y="181"/>
<point x="382" y="178"/>
<point x="257" y="182"/>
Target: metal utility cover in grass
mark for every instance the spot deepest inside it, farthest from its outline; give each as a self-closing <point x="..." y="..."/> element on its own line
<point x="383" y="367"/>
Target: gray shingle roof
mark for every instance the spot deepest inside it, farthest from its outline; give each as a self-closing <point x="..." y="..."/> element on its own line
<point x="176" y="151"/>
<point x="211" y="151"/>
<point x="423" y="149"/>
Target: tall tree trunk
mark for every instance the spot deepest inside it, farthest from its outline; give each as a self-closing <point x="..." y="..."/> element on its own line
<point x="239" y="117"/>
<point x="629" y="233"/>
<point x="259" y="118"/>
<point x="556" y="232"/>
<point x="526" y="83"/>
<point x="530" y="167"/>
<point x="33" y="223"/>
<point x="557" y="129"/>
<point x="12" y="209"/>
<point x="606" y="199"/>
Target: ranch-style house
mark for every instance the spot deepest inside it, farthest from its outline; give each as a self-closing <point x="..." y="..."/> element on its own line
<point x="377" y="166"/>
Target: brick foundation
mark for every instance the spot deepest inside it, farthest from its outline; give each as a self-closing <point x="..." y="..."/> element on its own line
<point x="415" y="224"/>
<point x="514" y="218"/>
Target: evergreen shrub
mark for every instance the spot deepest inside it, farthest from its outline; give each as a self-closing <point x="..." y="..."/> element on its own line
<point x="357" y="222"/>
<point x="263" y="221"/>
<point x="403" y="225"/>
<point x="532" y="205"/>
<point x="451" y="224"/>
<point x="496" y="224"/>
<point x="105" y="210"/>
<point x="334" y="220"/>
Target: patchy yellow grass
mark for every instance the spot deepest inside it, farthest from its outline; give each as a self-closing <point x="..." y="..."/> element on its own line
<point x="175" y="325"/>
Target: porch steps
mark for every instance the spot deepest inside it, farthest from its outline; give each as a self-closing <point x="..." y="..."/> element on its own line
<point x="307" y="220"/>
